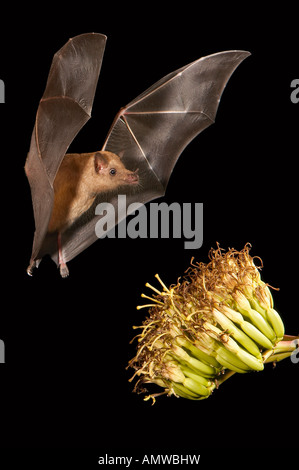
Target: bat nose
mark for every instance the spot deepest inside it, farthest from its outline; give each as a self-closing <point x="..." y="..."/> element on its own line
<point x="132" y="177"/>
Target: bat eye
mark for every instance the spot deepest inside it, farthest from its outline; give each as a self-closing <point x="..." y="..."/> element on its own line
<point x="112" y="171"/>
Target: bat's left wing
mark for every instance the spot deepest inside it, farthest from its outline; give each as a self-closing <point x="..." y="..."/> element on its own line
<point x="63" y="110"/>
<point x="156" y="126"/>
<point x="151" y="132"/>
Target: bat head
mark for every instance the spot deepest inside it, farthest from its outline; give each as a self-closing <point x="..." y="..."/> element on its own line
<point x="111" y="173"/>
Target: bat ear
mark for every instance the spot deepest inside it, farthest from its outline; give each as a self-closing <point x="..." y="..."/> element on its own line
<point x="100" y="162"/>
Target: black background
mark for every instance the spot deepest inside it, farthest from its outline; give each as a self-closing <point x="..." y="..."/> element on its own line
<point x="65" y="384"/>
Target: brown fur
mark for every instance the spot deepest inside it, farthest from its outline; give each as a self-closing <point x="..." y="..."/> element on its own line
<point x="81" y="177"/>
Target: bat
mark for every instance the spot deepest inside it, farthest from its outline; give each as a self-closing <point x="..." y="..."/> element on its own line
<point x="143" y="144"/>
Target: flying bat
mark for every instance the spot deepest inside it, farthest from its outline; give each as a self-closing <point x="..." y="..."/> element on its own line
<point x="143" y="144"/>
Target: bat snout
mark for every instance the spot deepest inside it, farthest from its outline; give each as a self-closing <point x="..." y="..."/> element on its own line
<point x="132" y="177"/>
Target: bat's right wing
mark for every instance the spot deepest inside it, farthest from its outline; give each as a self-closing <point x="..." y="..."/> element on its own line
<point x="63" y="110"/>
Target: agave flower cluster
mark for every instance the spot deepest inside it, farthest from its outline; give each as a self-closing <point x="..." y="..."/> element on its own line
<point x="217" y="321"/>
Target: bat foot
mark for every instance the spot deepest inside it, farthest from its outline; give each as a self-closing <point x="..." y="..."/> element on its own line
<point x="30" y="270"/>
<point x="64" y="272"/>
<point x="33" y="264"/>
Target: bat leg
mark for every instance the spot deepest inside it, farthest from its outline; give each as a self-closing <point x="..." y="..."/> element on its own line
<point x="33" y="264"/>
<point x="64" y="272"/>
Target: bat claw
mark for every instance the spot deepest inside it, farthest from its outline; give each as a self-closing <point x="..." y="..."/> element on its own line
<point x="29" y="271"/>
<point x="64" y="272"/>
<point x="33" y="264"/>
